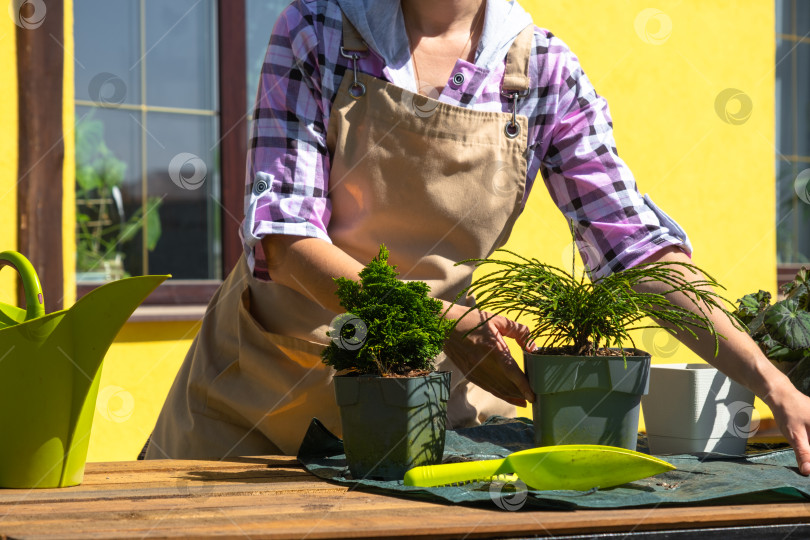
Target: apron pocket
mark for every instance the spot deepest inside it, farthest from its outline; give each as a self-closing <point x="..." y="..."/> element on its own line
<point x="275" y="384"/>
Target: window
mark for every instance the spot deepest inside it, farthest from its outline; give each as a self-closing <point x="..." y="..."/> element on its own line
<point x="162" y="140"/>
<point x="792" y="134"/>
<point x="147" y="118"/>
<point x="261" y="15"/>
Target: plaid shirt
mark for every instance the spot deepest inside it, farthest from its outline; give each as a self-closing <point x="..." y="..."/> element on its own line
<point x="570" y="141"/>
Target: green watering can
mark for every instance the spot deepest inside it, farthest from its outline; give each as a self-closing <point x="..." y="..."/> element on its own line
<point x="50" y="368"/>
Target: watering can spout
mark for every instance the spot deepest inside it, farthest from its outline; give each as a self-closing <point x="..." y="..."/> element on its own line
<point x="96" y="318"/>
<point x="49" y="378"/>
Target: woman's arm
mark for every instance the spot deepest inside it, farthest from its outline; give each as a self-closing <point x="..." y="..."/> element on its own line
<point x="308" y="265"/>
<point x="741" y="359"/>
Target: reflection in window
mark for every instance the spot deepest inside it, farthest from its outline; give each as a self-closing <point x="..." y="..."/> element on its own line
<point x="147" y="120"/>
<point x="260" y="17"/>
<point x="793" y="130"/>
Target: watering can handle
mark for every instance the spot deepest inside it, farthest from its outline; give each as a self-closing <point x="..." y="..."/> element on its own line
<point x="34" y="301"/>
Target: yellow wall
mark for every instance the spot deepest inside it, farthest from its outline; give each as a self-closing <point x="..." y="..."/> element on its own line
<point x="69" y="166"/>
<point x="138" y="372"/>
<point x="661" y="71"/>
<point x="8" y="153"/>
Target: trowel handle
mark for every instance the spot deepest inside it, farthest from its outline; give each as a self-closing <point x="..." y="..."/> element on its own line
<point x="453" y="473"/>
<point x="34" y="301"/>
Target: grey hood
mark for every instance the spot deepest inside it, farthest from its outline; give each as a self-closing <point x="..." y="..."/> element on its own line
<point x="381" y="25"/>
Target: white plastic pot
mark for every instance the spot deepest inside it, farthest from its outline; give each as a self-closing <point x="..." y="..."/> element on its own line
<point x="694" y="408"/>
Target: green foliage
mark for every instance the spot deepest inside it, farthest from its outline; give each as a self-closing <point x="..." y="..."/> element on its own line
<point x="400" y="327"/>
<point x="101" y="228"/>
<point x="585" y="315"/>
<point x="781" y="329"/>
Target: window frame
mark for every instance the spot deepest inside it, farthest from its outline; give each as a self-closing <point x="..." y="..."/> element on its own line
<point x="231" y="27"/>
<point x="41" y="151"/>
<point x="785" y="272"/>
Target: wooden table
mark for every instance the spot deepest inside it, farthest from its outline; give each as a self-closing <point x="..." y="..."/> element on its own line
<point x="275" y="497"/>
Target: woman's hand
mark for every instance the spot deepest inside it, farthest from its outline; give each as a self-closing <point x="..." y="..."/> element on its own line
<point x="791" y="410"/>
<point x="742" y="360"/>
<point x="484" y="356"/>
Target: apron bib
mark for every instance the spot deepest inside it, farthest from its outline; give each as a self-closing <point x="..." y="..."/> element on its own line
<point x="435" y="183"/>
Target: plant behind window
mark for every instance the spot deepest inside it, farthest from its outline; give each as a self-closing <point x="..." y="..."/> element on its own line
<point x="101" y="226"/>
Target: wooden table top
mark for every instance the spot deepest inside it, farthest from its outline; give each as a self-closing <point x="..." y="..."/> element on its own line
<point x="275" y="497"/>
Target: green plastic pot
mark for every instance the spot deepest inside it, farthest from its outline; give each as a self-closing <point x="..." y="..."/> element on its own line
<point x="391" y="424"/>
<point x="587" y="399"/>
<point x="50" y="368"/>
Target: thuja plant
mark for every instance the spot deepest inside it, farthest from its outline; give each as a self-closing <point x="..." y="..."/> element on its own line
<point x="391" y="327"/>
<point x="781" y="329"/>
<point x="577" y="316"/>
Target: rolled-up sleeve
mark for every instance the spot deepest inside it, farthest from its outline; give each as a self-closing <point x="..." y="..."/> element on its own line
<point x="288" y="162"/>
<point x="615" y="226"/>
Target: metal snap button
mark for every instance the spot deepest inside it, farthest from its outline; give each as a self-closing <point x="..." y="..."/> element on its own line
<point x="511" y="129"/>
<point x="357" y="90"/>
<point x="458" y="79"/>
<point x="260" y="187"/>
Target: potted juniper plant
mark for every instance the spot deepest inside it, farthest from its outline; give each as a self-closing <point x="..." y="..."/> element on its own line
<point x="393" y="404"/>
<point x="782" y="329"/>
<point x="588" y="382"/>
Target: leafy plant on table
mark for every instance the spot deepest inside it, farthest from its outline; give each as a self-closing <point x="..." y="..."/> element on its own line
<point x="576" y="316"/>
<point x="781" y="329"/>
<point x="394" y="327"/>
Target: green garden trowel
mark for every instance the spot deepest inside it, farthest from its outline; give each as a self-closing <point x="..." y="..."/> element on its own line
<point x="50" y="367"/>
<point x="579" y="467"/>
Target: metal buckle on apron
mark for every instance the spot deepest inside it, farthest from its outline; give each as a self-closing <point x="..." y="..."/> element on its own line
<point x="357" y="89"/>
<point x="512" y="128"/>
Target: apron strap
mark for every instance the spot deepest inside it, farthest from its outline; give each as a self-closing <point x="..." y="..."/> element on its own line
<point x="516" y="74"/>
<point x="351" y="37"/>
<point x="353" y="48"/>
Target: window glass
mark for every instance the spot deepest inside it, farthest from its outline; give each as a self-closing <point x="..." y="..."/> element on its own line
<point x="802" y="18"/>
<point x="107" y="51"/>
<point x="182" y="173"/>
<point x="108" y="167"/>
<point x="148" y="177"/>
<point x="261" y="16"/>
<point x="792" y="241"/>
<point x="180" y="54"/>
<point x="782" y="17"/>
<point x="785" y="85"/>
<point x="802" y="56"/>
<point x="793" y="131"/>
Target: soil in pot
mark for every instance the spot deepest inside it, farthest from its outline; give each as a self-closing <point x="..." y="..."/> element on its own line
<point x="391" y="424"/>
<point x="587" y="399"/>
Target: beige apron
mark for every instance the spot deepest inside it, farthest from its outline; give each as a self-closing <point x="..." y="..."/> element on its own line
<point x="435" y="183"/>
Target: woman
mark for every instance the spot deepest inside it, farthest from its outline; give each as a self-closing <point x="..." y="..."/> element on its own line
<point x="347" y="154"/>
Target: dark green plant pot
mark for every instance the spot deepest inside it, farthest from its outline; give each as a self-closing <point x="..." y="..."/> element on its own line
<point x="392" y="424"/>
<point x="587" y="399"/>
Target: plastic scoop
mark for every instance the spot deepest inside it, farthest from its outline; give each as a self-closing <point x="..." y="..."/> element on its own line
<point x="578" y="467"/>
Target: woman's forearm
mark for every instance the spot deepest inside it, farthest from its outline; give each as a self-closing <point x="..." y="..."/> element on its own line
<point x="309" y="266"/>
<point x="738" y="356"/>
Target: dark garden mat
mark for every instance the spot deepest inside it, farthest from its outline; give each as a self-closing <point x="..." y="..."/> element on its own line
<point x="763" y="476"/>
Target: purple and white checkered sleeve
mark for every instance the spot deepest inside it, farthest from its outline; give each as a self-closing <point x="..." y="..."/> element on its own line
<point x="615" y="227"/>
<point x="287" y="162"/>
